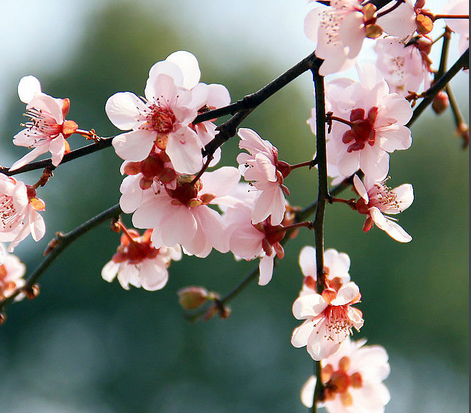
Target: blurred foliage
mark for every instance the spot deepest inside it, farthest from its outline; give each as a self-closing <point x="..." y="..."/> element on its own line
<point x="90" y="344"/>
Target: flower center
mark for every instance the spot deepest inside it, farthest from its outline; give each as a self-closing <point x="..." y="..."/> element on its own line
<point x="338" y="321"/>
<point x="41" y="124"/>
<point x="159" y="119"/>
<point x="186" y="193"/>
<point x="362" y="129"/>
<point x="156" y="165"/>
<point x="9" y="217"/>
<point x="339" y="382"/>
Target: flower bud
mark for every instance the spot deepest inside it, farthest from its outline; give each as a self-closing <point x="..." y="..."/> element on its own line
<point x="440" y="103"/>
<point x="3" y="318"/>
<point x="32" y="292"/>
<point x="191" y="298"/>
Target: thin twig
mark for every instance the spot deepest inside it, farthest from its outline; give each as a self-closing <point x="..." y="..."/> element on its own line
<point x="441" y="83"/>
<point x="322" y="199"/>
<point x="59" y="244"/>
<point x="98" y="145"/>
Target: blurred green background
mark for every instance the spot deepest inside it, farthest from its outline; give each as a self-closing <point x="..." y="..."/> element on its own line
<point x="88" y="346"/>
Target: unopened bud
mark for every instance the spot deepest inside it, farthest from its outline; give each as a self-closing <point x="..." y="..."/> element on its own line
<point x="424" y="24"/>
<point x="191" y="298"/>
<point x="440" y="103"/>
<point x="32" y="292"/>
<point x="3" y="318"/>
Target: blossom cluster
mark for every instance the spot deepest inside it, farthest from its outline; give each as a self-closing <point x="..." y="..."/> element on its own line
<point x="185" y="203"/>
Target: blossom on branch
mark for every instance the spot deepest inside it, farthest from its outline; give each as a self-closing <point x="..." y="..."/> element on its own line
<point x="340" y="29"/>
<point x="19" y="214"/>
<point x="404" y="67"/>
<point x="367" y="122"/>
<point x="139" y="264"/>
<point x="459" y="26"/>
<point x="47" y="129"/>
<point x="329" y="319"/>
<point x="249" y="241"/>
<point x="173" y="99"/>
<point x="266" y="173"/>
<point x="336" y="266"/>
<point x="353" y="380"/>
<point x="377" y="199"/>
<point x="182" y="215"/>
<point x="12" y="271"/>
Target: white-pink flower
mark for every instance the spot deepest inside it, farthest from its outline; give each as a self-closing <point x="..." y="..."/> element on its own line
<point x="19" y="215"/>
<point x="249" y="241"/>
<point x="377" y="199"/>
<point x="139" y="264"/>
<point x="329" y="319"/>
<point x="47" y="129"/>
<point x="266" y="173"/>
<point x="173" y="99"/>
<point x="182" y="215"/>
<point x="336" y="266"/>
<point x="12" y="271"/>
<point x="340" y="29"/>
<point x="353" y="380"/>
<point x="459" y="26"/>
<point x="403" y="66"/>
<point x="368" y="123"/>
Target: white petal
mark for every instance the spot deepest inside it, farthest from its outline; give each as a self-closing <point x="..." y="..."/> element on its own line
<point x="266" y="269"/>
<point x="308" y="306"/>
<point x="307" y="261"/>
<point x="135" y="145"/>
<point x="189" y="67"/>
<point x="110" y="270"/>
<point x="360" y="188"/>
<point x="184" y="149"/>
<point x="394" y="230"/>
<point x="125" y="110"/>
<point x="28" y="88"/>
<point x="301" y="334"/>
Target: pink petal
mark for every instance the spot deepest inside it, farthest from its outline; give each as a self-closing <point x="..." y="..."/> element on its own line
<point x="184" y="149"/>
<point x="125" y="110"/>
<point x="266" y="269"/>
<point x="135" y="145"/>
<point x="394" y="230"/>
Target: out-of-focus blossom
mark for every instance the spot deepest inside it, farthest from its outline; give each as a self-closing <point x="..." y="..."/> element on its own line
<point x="336" y="266"/>
<point x="377" y="199"/>
<point x="368" y="123"/>
<point x="459" y="26"/>
<point x="138" y="263"/>
<point x="353" y="380"/>
<point x="173" y="99"/>
<point x="19" y="214"/>
<point x="266" y="173"/>
<point x="329" y="319"/>
<point x="340" y="28"/>
<point x="47" y="129"/>
<point x="404" y="67"/>
<point x="12" y="271"/>
<point x="182" y="215"/>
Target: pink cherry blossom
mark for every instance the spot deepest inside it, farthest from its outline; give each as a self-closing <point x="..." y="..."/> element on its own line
<point x="12" y="271"/>
<point x="340" y="29"/>
<point x="404" y="67"/>
<point x="139" y="264"/>
<point x="19" y="215"/>
<point x="336" y="266"/>
<point x="329" y="319"/>
<point x="182" y="215"/>
<point x="47" y="129"/>
<point x="173" y="99"/>
<point x="353" y="380"/>
<point x="377" y="199"/>
<point x="459" y="26"/>
<point x="266" y="173"/>
<point x="368" y="123"/>
<point x="249" y="241"/>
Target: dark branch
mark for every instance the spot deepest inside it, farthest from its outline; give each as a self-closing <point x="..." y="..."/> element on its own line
<point x="439" y="85"/>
